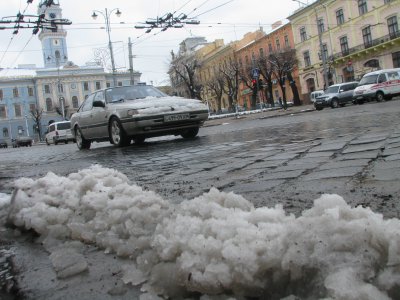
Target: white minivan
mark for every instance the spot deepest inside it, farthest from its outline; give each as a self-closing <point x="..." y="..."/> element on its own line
<point x="379" y="85"/>
<point x="58" y="132"/>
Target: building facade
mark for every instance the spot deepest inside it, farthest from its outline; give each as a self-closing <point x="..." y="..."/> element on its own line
<point x="57" y="90"/>
<point x="351" y="38"/>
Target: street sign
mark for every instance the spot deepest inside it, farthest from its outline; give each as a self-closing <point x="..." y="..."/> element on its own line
<point x="255" y="73"/>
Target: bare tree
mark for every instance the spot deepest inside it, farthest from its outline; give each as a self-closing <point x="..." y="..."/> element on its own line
<point x="245" y="76"/>
<point x="283" y="64"/>
<point x="36" y="115"/>
<point x="230" y="73"/>
<point x="266" y="72"/>
<point x="216" y="86"/>
<point x="184" y="72"/>
<point x="59" y="110"/>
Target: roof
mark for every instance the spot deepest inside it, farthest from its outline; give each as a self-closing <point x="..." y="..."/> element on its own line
<point x="17" y="74"/>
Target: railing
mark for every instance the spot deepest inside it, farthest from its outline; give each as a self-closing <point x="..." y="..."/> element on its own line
<point x="375" y="42"/>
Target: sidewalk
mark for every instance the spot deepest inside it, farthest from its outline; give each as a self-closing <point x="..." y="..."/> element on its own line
<point x="257" y="114"/>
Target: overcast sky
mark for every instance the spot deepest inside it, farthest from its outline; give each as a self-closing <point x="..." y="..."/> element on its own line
<point x="226" y="19"/>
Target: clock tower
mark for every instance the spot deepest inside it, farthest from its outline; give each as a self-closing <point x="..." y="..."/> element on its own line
<point x="54" y="43"/>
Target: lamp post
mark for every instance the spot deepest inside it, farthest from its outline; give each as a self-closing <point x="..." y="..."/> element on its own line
<point x="107" y="14"/>
<point x="321" y="46"/>
<point x="26" y="124"/>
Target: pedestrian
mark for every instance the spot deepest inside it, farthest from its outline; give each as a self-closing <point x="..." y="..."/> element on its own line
<point x="280" y="102"/>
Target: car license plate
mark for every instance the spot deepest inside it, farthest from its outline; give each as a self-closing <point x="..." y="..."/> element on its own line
<point x="172" y="118"/>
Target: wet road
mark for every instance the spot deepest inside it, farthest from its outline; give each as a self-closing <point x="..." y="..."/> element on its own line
<point x="292" y="159"/>
<point x="289" y="160"/>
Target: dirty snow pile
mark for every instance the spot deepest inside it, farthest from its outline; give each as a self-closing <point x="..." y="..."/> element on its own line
<point x="218" y="243"/>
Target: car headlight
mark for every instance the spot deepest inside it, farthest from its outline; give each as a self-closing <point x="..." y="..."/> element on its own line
<point x="132" y="112"/>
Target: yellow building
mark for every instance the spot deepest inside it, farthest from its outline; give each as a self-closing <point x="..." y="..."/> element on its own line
<point x="339" y="41"/>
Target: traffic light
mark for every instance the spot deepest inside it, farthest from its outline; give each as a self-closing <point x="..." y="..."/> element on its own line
<point x="254" y="83"/>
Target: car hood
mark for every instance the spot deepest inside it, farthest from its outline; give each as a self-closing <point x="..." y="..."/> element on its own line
<point x="326" y="96"/>
<point x="152" y="105"/>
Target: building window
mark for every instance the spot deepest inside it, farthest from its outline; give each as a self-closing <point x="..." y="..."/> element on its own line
<point x="303" y="34"/>
<point x="367" y="36"/>
<point x="98" y="85"/>
<point x="30" y="91"/>
<point x="5" y="132"/>
<point x="393" y="27"/>
<point x="270" y="48"/>
<point x="324" y="53"/>
<point x="17" y="109"/>
<point x="119" y="83"/>
<point x="108" y="84"/>
<point x="32" y="107"/>
<point x="3" y="114"/>
<point x="261" y="52"/>
<point x="287" y="44"/>
<point x="278" y="44"/>
<point x="396" y="59"/>
<point x="321" y="26"/>
<point x="49" y="104"/>
<point x="1" y="94"/>
<point x="86" y="86"/>
<point x="362" y="7"/>
<point x="344" y="45"/>
<point x="307" y="59"/>
<point x="340" y="16"/>
<point x="75" y="103"/>
<point x="47" y="89"/>
<point x="60" y="88"/>
<point x="73" y="86"/>
<point x="15" y="92"/>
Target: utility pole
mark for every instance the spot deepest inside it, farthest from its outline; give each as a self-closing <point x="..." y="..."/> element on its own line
<point x="132" y="82"/>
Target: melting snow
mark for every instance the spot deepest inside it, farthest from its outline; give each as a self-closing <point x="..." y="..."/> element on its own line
<point x="215" y="244"/>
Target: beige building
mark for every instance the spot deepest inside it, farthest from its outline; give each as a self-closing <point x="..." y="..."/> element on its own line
<point x="339" y="41"/>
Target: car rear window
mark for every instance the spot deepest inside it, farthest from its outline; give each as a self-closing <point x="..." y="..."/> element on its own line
<point x="64" y="126"/>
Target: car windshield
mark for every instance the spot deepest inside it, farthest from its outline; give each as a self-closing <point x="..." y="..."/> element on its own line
<point x="63" y="126"/>
<point x="368" y="80"/>
<point x="132" y="93"/>
<point x="332" y="90"/>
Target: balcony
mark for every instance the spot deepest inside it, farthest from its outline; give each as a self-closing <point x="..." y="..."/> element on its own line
<point x="376" y="44"/>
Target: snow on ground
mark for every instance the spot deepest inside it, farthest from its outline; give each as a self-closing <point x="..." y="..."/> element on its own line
<point x="216" y="244"/>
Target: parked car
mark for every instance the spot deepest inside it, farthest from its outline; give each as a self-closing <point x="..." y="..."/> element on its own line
<point x="123" y="114"/>
<point x="379" y="85"/>
<point x="315" y="94"/>
<point x="59" y="132"/>
<point x="22" y="141"/>
<point x="336" y="95"/>
<point x="3" y="144"/>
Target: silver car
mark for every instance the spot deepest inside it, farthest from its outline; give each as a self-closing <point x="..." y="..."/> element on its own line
<point x="123" y="114"/>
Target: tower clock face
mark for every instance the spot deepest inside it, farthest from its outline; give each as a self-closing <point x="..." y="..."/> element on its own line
<point x="52" y="15"/>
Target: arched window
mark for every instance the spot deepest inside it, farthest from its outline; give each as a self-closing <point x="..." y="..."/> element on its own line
<point x="310" y="85"/>
<point x="372" y="63"/>
<point x="49" y="104"/>
<point x="5" y="132"/>
<point x="75" y="103"/>
<point x="57" y="53"/>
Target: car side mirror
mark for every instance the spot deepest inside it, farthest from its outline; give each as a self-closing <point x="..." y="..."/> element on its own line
<point x="341" y="91"/>
<point x="98" y="103"/>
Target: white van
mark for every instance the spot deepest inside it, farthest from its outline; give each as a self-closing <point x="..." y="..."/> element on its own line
<point x="59" y="132"/>
<point x="379" y="85"/>
<point x="315" y="94"/>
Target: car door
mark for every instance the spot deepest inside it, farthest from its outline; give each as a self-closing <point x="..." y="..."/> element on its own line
<point x="99" y="117"/>
<point x="84" y="117"/>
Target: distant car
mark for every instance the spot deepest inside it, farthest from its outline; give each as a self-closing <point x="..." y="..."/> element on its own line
<point x="123" y="114"/>
<point x="22" y="141"/>
<point x="3" y="144"/>
<point x="315" y="94"/>
<point x="58" y="132"/>
<point x="336" y="95"/>
<point x="379" y="85"/>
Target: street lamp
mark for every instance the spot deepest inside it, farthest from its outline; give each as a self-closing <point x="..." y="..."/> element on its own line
<point x="107" y="14"/>
<point x="321" y="46"/>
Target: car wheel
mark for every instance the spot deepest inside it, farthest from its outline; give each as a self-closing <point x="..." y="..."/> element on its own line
<point x="190" y="133"/>
<point x="335" y="103"/>
<point x="118" y="136"/>
<point x="81" y="142"/>
<point x="379" y="96"/>
<point x="319" y="108"/>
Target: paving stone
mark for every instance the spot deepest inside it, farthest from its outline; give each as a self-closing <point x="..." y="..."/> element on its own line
<point x="318" y="154"/>
<point x="293" y="167"/>
<point x="392" y="145"/>
<point x="359" y="155"/>
<point x="345" y="163"/>
<point x="392" y="151"/>
<point x="256" y="186"/>
<point x="282" y="175"/>
<point x="284" y="155"/>
<point x="385" y="174"/>
<point x="333" y="173"/>
<point x="393" y="157"/>
<point x="329" y="147"/>
<point x="363" y="147"/>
